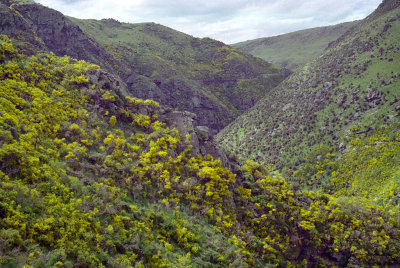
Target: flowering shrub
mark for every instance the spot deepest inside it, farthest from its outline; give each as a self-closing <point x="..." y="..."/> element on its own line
<point x="85" y="184"/>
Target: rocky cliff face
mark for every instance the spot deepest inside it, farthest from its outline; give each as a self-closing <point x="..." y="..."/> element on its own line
<point x="37" y="28"/>
<point x="181" y="95"/>
<point x="61" y="36"/>
<point x="15" y="26"/>
<point x="201" y="137"/>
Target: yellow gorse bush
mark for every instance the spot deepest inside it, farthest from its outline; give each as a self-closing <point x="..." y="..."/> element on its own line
<point x="83" y="183"/>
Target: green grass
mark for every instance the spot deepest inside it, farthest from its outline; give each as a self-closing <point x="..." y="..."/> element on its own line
<point x="327" y="98"/>
<point x="294" y="50"/>
<point x="226" y="80"/>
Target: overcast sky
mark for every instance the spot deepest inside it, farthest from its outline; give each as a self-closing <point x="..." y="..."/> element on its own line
<point x="229" y="21"/>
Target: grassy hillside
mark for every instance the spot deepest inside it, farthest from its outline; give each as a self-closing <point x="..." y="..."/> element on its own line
<point x="352" y="87"/>
<point x="294" y="50"/>
<point x="204" y="76"/>
<point x="90" y="177"/>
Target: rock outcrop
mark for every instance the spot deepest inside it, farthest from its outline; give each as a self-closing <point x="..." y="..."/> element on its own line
<point x="63" y="37"/>
<point x="201" y="137"/>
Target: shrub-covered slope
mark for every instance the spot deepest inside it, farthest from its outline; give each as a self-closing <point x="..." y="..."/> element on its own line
<point x="353" y="86"/>
<point x="203" y="76"/>
<point x="294" y="50"/>
<point x="90" y="177"/>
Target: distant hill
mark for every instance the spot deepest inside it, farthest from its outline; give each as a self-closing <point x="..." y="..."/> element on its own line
<point x="352" y="87"/>
<point x="294" y="50"/>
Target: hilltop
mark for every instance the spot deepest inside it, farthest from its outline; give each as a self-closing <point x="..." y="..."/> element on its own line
<point x="294" y="50"/>
<point x="206" y="77"/>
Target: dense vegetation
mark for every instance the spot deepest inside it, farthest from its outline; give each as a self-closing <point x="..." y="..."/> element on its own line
<point x="369" y="168"/>
<point x="335" y="127"/>
<point x="204" y="76"/>
<point x="352" y="87"/>
<point x="91" y="177"/>
<point x="294" y="50"/>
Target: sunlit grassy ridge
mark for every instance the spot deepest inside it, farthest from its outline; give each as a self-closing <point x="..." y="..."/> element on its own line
<point x="294" y="50"/>
<point x="89" y="177"/>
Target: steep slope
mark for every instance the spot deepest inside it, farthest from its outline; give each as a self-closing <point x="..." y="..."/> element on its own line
<point x="206" y="77"/>
<point x="35" y="28"/>
<point x="203" y="76"/>
<point x="294" y="50"/>
<point x="353" y="86"/>
<point x="90" y="177"/>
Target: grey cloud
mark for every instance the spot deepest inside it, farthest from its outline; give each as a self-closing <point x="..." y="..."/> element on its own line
<point x="227" y="20"/>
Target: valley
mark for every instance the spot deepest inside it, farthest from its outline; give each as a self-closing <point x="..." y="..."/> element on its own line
<point x="136" y="145"/>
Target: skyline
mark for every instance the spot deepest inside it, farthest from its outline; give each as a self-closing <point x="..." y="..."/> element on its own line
<point x="229" y="21"/>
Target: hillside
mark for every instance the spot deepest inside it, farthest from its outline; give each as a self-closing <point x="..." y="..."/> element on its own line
<point x="294" y="50"/>
<point x="203" y="76"/>
<point x="352" y="87"/>
<point x="35" y="28"/>
<point x="90" y="177"/>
